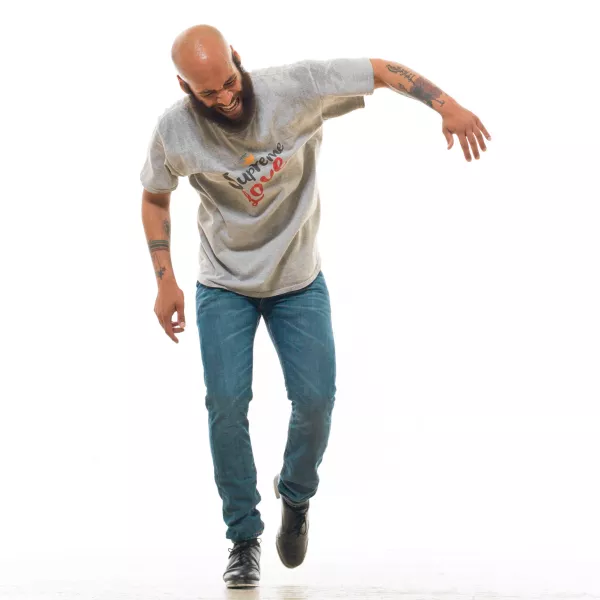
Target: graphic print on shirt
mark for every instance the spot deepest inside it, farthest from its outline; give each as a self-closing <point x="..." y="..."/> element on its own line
<point x="269" y="165"/>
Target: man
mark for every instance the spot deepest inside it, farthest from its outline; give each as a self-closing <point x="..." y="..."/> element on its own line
<point x="248" y="144"/>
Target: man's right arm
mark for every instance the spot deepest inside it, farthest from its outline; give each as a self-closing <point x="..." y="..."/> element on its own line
<point x="157" y="227"/>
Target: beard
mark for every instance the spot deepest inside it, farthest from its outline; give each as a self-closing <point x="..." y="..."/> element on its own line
<point x="247" y="98"/>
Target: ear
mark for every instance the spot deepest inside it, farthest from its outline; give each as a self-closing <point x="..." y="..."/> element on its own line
<point x="182" y="84"/>
<point x="235" y="54"/>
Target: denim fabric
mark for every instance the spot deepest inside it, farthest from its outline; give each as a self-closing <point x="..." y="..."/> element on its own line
<point x="299" y="324"/>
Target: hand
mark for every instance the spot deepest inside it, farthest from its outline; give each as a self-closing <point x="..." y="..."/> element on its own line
<point x="467" y="126"/>
<point x="168" y="301"/>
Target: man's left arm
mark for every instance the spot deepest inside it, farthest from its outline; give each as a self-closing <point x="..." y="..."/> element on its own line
<point x="455" y="119"/>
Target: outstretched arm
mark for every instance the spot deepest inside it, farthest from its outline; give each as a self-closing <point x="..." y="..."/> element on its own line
<point x="455" y="119"/>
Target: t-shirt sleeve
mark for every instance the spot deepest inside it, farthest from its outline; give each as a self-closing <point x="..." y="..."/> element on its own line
<point x="342" y="84"/>
<point x="157" y="175"/>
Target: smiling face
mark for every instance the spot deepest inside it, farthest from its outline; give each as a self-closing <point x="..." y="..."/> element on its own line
<point x="221" y="90"/>
<point x="225" y="96"/>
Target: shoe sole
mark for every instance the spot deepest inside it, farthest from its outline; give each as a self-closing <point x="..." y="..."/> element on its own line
<point x="243" y="585"/>
<point x="275" y="484"/>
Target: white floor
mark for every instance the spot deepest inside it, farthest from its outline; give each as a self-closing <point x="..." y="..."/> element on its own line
<point x="177" y="591"/>
<point x="194" y="578"/>
<point x="267" y="593"/>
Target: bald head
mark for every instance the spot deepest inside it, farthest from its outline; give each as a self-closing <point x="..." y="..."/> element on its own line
<point x="197" y="50"/>
<point x="210" y="72"/>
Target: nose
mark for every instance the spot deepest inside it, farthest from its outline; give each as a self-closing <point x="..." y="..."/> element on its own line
<point x="225" y="97"/>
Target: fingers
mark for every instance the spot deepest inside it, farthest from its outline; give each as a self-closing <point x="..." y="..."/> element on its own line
<point x="473" y="143"/>
<point x="480" y="125"/>
<point x="480" y="140"/>
<point x="462" y="138"/>
<point x="448" y="137"/>
<point x="164" y="310"/>
<point x="180" y="313"/>
<point x="168" y="327"/>
<point x="171" y="328"/>
<point x="469" y="137"/>
<point x="176" y="326"/>
<point x="468" y="141"/>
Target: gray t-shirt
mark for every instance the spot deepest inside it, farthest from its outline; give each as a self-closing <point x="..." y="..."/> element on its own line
<point x="259" y="201"/>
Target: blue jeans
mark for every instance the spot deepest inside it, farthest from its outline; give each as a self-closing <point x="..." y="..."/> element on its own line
<point x="299" y="324"/>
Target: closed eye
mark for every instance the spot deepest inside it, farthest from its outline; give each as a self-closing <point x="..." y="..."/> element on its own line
<point x="212" y="93"/>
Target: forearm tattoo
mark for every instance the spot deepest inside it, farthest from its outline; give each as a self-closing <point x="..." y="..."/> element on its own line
<point x="402" y="71"/>
<point x="422" y="89"/>
<point x="158" y="245"/>
<point x="159" y="270"/>
<point x="155" y="246"/>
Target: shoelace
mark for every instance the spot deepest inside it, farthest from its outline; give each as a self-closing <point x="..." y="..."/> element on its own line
<point x="240" y="550"/>
<point x="299" y="526"/>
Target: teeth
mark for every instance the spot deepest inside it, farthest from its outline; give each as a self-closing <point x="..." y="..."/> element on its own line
<point x="230" y="107"/>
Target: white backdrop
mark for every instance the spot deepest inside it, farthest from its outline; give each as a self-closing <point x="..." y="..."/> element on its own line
<point x="465" y="298"/>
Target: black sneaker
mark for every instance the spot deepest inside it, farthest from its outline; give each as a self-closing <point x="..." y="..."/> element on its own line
<point x="292" y="537"/>
<point x="243" y="568"/>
